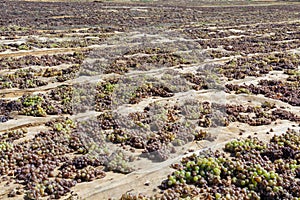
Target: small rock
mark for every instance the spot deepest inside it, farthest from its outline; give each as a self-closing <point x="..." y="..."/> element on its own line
<point x="147" y="183"/>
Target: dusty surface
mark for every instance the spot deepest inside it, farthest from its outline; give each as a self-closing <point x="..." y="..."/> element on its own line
<point x="119" y="41"/>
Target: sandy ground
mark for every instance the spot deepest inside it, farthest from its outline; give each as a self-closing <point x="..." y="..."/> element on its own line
<point x="149" y="175"/>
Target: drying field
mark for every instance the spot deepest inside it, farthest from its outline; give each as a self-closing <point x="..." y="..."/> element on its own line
<point x="149" y="100"/>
